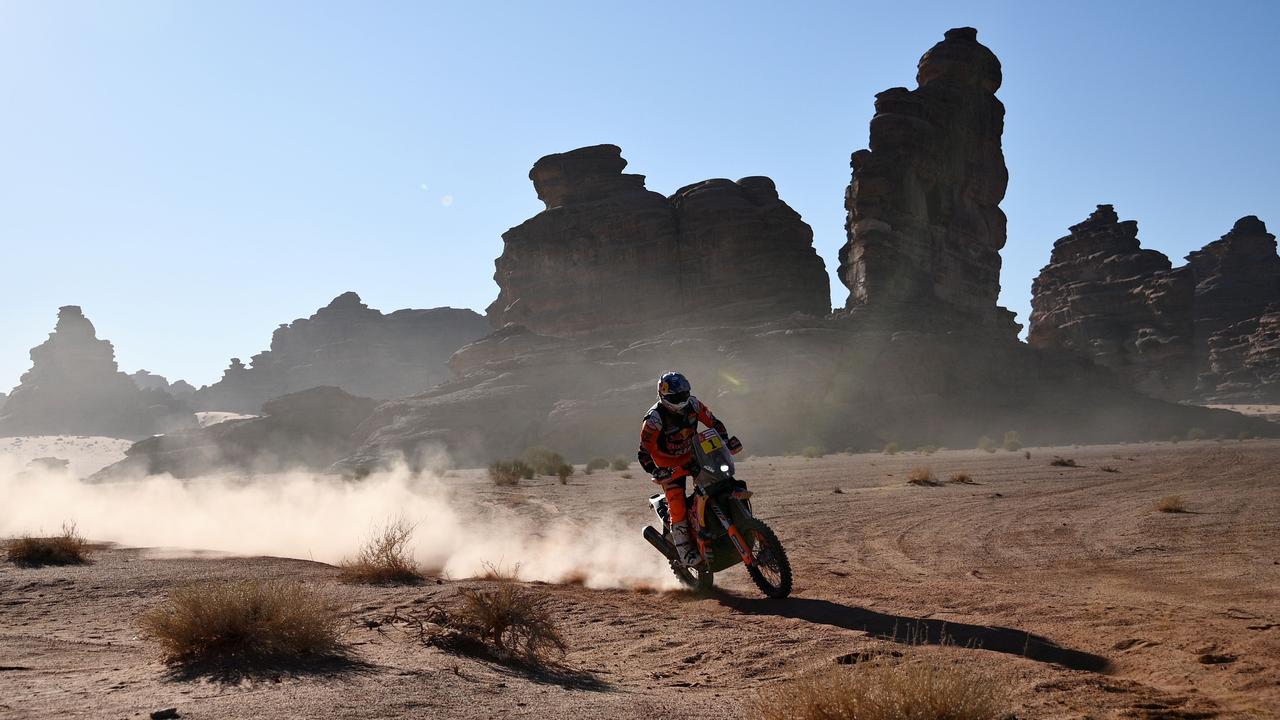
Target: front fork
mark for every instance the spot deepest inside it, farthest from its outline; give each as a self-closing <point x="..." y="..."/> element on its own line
<point x="739" y="542"/>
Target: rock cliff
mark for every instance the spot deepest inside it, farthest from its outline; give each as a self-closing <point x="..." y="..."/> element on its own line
<point x="75" y="388"/>
<point x="349" y="345"/>
<point x="1244" y="361"/>
<point x="1237" y="277"/>
<point x="150" y="381"/>
<point x="1104" y="297"/>
<point x="608" y="255"/>
<point x="924" y="223"/>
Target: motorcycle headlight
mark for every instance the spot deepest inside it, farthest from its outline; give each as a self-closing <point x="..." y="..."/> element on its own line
<point x="724" y="468"/>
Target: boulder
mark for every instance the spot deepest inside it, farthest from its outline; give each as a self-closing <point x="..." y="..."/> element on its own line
<point x="1104" y="297"/>
<point x="304" y="430"/>
<point x="924" y="223"/>
<point x="74" y="387"/>
<point x="609" y="256"/>
<point x="1237" y="277"/>
<point x="349" y="345"/>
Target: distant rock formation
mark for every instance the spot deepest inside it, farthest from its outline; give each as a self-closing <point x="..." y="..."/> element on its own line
<point x="150" y="381"/>
<point x="608" y="255"/>
<point x="75" y="388"/>
<point x="308" y="430"/>
<point x="1237" y="277"/>
<point x="924" y="223"/>
<point x="347" y="344"/>
<point x="1104" y="297"/>
<point x="1244" y="361"/>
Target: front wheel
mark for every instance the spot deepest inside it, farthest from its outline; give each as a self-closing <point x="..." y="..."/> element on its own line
<point x="771" y="571"/>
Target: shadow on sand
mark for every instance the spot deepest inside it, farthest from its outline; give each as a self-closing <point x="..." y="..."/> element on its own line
<point x="236" y="670"/>
<point x="920" y="631"/>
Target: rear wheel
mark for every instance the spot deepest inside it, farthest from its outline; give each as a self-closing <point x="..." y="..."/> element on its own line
<point x="771" y="571"/>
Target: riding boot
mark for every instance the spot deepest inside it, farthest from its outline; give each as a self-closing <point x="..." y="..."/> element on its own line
<point x="686" y="548"/>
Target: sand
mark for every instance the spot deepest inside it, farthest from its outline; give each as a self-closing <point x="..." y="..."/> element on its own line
<point x="1062" y="584"/>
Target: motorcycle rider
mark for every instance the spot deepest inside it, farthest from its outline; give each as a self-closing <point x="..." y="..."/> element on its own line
<point x="666" y="451"/>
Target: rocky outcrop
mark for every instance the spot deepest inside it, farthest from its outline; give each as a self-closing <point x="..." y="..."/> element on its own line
<point x="1104" y="297"/>
<point x="1237" y="277"/>
<point x="349" y="345"/>
<point x="75" y="388"/>
<point x="305" y="430"/>
<point x="608" y="255"/>
<point x="1244" y="361"/>
<point x="150" y="381"/>
<point x="924" y="223"/>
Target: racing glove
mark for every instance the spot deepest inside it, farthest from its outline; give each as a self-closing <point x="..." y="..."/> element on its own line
<point x="734" y="445"/>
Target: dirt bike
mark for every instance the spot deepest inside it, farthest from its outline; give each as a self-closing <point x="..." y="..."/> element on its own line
<point x="726" y="531"/>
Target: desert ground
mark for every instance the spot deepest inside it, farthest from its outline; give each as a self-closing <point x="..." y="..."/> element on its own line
<point x="1064" y="585"/>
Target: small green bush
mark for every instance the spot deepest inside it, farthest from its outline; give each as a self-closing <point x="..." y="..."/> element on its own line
<point x="891" y="448"/>
<point x="813" y="451"/>
<point x="620" y="463"/>
<point x="509" y="472"/>
<point x="544" y="461"/>
<point x="1012" y="442"/>
<point x="987" y="444"/>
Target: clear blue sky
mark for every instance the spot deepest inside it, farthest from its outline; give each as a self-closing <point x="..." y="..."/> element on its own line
<point x="194" y="174"/>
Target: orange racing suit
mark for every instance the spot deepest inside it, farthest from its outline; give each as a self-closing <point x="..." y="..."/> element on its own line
<point x="666" y="442"/>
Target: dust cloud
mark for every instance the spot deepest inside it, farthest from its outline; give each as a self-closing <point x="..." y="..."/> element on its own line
<point x="302" y="515"/>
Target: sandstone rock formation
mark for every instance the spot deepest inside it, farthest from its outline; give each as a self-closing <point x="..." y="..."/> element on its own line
<point x="1105" y="298"/>
<point x="308" y="430"/>
<point x="348" y="345"/>
<point x="75" y="388"/>
<point x="924" y="223"/>
<point x="150" y="381"/>
<point x="609" y="256"/>
<point x="1237" y="277"/>
<point x="1244" y="361"/>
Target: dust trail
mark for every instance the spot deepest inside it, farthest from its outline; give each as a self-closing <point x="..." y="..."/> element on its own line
<point x="305" y="516"/>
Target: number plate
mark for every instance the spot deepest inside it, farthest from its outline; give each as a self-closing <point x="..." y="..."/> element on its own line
<point x="711" y="441"/>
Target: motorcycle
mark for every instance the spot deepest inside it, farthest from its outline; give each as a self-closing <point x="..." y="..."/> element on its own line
<point x="726" y="531"/>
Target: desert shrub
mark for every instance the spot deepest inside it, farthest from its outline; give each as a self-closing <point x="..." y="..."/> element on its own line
<point x="244" y="622"/>
<point x="1026" y="454"/>
<point x="496" y="571"/>
<point x="1172" y="504"/>
<point x="1109" y="468"/>
<point x="385" y="558"/>
<point x="620" y="463"/>
<point x="509" y="472"/>
<point x="626" y="476"/>
<point x="1196" y="433"/>
<point x="594" y="464"/>
<point x="813" y="451"/>
<point x="516" y="623"/>
<point x="987" y="444"/>
<point x="1175" y="439"/>
<point x="927" y="449"/>
<point x="923" y="689"/>
<point x="563" y="472"/>
<point x="1244" y="435"/>
<point x="1012" y="441"/>
<point x="922" y="476"/>
<point x="544" y="461"/>
<point x="65" y="548"/>
<point x="891" y="448"/>
<point x="961" y="478"/>
<point x="1063" y="462"/>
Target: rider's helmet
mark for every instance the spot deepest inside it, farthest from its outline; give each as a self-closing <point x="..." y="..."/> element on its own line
<point x="673" y="391"/>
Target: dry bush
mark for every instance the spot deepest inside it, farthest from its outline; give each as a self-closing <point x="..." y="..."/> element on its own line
<point x="385" y="558"/>
<point x="987" y="444"/>
<point x="516" y="623"/>
<point x="927" y="449"/>
<point x="922" y="476"/>
<point x="544" y="461"/>
<point x="1026" y="454"/>
<point x="1012" y="441"/>
<point x="961" y="478"/>
<point x="891" y="448"/>
<point x="595" y="464"/>
<point x="494" y="571"/>
<point x="244" y="622"/>
<point x="1172" y="504"/>
<point x="813" y="451"/>
<point x="1063" y="462"/>
<point x="921" y="689"/>
<point x="626" y="476"/>
<point x="1109" y="468"/>
<point x="620" y="463"/>
<point x="66" y="548"/>
<point x="563" y="472"/>
<point x="1196" y="433"/>
<point x="506" y="473"/>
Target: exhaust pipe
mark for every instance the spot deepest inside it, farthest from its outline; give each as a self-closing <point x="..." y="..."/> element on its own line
<point x="660" y="543"/>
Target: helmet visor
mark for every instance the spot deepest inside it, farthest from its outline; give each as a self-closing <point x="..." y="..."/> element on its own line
<point x="677" y="399"/>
